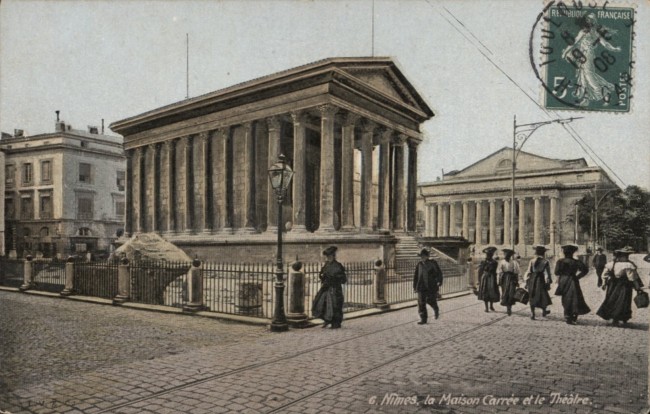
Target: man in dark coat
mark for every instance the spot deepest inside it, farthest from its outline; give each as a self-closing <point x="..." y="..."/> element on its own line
<point x="600" y="260"/>
<point x="426" y="282"/>
<point x="328" y="303"/>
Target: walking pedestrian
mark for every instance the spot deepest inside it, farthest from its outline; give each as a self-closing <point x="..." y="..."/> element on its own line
<point x="328" y="303"/>
<point x="488" y="289"/>
<point x="538" y="282"/>
<point x="619" y="280"/>
<point x="569" y="272"/>
<point x="508" y="272"/>
<point x="599" y="262"/>
<point x="426" y="282"/>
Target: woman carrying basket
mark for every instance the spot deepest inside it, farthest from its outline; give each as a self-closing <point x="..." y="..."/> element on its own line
<point x="620" y="278"/>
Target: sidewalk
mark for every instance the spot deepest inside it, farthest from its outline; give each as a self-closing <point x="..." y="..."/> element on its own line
<point x="468" y="361"/>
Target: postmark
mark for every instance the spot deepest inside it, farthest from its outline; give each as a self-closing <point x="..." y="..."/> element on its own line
<point x="585" y="56"/>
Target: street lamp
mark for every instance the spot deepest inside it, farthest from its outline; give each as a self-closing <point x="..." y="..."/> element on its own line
<point x="280" y="175"/>
<point x="520" y="135"/>
<point x="597" y="202"/>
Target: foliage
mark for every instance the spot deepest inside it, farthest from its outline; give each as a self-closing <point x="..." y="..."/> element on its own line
<point x="623" y="217"/>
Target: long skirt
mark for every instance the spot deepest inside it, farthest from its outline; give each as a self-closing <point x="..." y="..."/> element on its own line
<point x="509" y="285"/>
<point x="328" y="304"/>
<point x="618" y="300"/>
<point x="539" y="297"/>
<point x="573" y="300"/>
<point x="488" y="290"/>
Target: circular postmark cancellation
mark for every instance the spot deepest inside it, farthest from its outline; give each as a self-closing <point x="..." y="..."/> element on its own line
<point x="585" y="57"/>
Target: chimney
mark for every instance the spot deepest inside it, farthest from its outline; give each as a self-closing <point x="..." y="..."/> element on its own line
<point x="57" y="115"/>
<point x="59" y="126"/>
<point x="18" y="133"/>
<point x="102" y="126"/>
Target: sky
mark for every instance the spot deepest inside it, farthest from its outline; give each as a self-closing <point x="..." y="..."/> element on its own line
<point x="468" y="59"/>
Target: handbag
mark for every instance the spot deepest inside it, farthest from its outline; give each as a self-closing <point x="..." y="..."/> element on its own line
<point x="521" y="295"/>
<point x="641" y="299"/>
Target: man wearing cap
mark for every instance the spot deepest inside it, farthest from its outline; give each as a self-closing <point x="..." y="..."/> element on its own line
<point x="538" y="282"/>
<point x="426" y="282"/>
<point x="488" y="290"/>
<point x="328" y="303"/>
<point x="600" y="260"/>
<point x="569" y="272"/>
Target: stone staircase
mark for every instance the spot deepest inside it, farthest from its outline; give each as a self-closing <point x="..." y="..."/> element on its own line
<point x="407" y="248"/>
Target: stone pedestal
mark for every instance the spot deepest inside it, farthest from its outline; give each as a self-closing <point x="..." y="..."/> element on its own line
<point x="379" y="286"/>
<point x="28" y="275"/>
<point x="123" y="283"/>
<point x="296" y="315"/>
<point x="69" y="277"/>
<point x="194" y="288"/>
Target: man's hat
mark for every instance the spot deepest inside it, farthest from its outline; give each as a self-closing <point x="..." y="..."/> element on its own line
<point x="570" y="248"/>
<point x="490" y="249"/>
<point x="424" y="252"/>
<point x="330" y="251"/>
<point x="506" y="251"/>
<point x="540" y="249"/>
<point x="624" y="250"/>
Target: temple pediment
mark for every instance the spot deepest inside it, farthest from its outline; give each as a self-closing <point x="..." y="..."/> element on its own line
<point x="500" y="163"/>
<point x="384" y="80"/>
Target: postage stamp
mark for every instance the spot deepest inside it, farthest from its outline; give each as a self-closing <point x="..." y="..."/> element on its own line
<point x="585" y="61"/>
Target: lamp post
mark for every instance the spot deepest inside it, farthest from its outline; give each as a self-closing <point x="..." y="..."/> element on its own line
<point x="280" y="175"/>
<point x="520" y="135"/>
<point x="597" y="202"/>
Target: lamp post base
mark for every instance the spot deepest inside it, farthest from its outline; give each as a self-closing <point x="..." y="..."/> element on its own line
<point x="279" y="327"/>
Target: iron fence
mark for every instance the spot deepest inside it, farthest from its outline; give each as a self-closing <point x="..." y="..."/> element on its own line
<point x="239" y="289"/>
<point x="48" y="275"/>
<point x="12" y="272"/>
<point x="159" y="283"/>
<point x="96" y="279"/>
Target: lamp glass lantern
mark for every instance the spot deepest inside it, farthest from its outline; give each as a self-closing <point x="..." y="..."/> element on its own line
<point x="280" y="175"/>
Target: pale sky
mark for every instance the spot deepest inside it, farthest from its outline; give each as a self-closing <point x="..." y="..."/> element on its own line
<point x="116" y="59"/>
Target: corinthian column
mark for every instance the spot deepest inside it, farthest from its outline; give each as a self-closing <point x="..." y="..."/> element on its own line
<point x="479" y="222"/>
<point x="493" y="222"/>
<point x="327" y="167"/>
<point x="167" y="186"/>
<point x="273" y="124"/>
<point x="506" y="221"/>
<point x="183" y="216"/>
<point x="299" y="173"/>
<point x="221" y="221"/>
<point x="440" y="222"/>
<point x="434" y="220"/>
<point x="522" y="221"/>
<point x="150" y="173"/>
<point x="200" y="154"/>
<point x="412" y="185"/>
<point x="466" y="220"/>
<point x="399" y="191"/>
<point x="347" y="172"/>
<point x="384" y="180"/>
<point x="366" y="175"/>
<point x="553" y="221"/>
<point x="136" y="190"/>
<point x="248" y="161"/>
<point x="452" y="218"/>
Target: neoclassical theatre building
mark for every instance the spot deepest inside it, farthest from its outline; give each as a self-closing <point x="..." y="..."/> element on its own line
<point x="475" y="202"/>
<point x="197" y="170"/>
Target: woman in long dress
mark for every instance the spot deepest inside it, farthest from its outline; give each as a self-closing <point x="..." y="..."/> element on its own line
<point x="569" y="272"/>
<point x="488" y="289"/>
<point x="328" y="302"/>
<point x="539" y="282"/>
<point x="508" y="272"/>
<point x="620" y="278"/>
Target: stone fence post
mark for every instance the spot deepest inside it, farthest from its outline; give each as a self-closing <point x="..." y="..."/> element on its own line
<point x="28" y="274"/>
<point x="296" y="315"/>
<point x="69" y="277"/>
<point x="379" y="286"/>
<point x="123" y="282"/>
<point x="195" y="288"/>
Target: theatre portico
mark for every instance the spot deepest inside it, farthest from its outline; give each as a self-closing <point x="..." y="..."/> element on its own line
<point x="350" y="129"/>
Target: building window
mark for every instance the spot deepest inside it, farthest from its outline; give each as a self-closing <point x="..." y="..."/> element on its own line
<point x="120" y="207"/>
<point x="83" y="231"/>
<point x="46" y="171"/>
<point x="85" y="208"/>
<point x="10" y="175"/>
<point x="26" y="208"/>
<point x="28" y="174"/>
<point x="9" y="208"/>
<point x="46" y="206"/>
<point x="121" y="180"/>
<point x="85" y="171"/>
<point x="45" y="232"/>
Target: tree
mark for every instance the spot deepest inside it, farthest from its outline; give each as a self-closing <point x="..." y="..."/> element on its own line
<point x="623" y="217"/>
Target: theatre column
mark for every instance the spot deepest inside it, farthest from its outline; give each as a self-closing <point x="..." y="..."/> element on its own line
<point x="384" y="180"/>
<point x="465" y="220"/>
<point x="445" y="219"/>
<point x="248" y="161"/>
<point x="327" y="167"/>
<point x="452" y="219"/>
<point x="347" y="172"/>
<point x="199" y="164"/>
<point x="167" y="186"/>
<point x="366" y="175"/>
<point x="493" y="221"/>
<point x="137" y="190"/>
<point x="273" y="124"/>
<point x="479" y="223"/>
<point x="398" y="191"/>
<point x="150" y="173"/>
<point x="506" y="221"/>
<point x="427" y="220"/>
<point x="440" y="225"/>
<point x="299" y="174"/>
<point x="220" y="219"/>
<point x="412" y="185"/>
<point x="522" y="221"/>
<point x="434" y="220"/>
<point x="537" y="223"/>
<point x="553" y="221"/>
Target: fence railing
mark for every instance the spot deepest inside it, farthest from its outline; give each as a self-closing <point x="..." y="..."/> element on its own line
<point x="239" y="289"/>
<point x="95" y="279"/>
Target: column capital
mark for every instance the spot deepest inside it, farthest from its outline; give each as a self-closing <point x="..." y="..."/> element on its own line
<point x="167" y="145"/>
<point x="465" y="202"/>
<point x="537" y="197"/>
<point x="522" y="198"/>
<point x="351" y="119"/>
<point x="327" y="110"/>
<point x="203" y="136"/>
<point x="247" y="125"/>
<point x="506" y="199"/>
<point x="400" y="140"/>
<point x="554" y="194"/>
<point x="298" y="117"/>
<point x="368" y="126"/>
<point x="386" y="135"/>
<point x="412" y="144"/>
<point x="492" y="200"/>
<point x="273" y="123"/>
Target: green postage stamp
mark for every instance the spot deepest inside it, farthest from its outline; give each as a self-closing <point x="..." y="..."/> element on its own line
<point x="586" y="57"/>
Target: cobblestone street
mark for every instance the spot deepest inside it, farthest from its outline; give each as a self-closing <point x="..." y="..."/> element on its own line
<point x="61" y="356"/>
